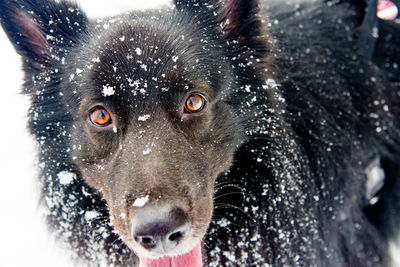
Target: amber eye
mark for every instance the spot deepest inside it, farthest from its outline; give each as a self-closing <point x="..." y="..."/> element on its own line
<point x="194" y="103"/>
<point x="100" y="116"/>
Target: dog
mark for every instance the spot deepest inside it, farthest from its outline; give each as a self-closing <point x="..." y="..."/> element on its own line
<point x="217" y="133"/>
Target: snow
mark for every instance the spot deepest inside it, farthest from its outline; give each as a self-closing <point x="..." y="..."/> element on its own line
<point x="144" y="66"/>
<point x="91" y="214"/>
<point x="66" y="177"/>
<point x="175" y="58"/>
<point x="146" y="151"/>
<point x="108" y="90"/>
<point x="270" y="83"/>
<point x="144" y="117"/>
<point x="138" y="51"/>
<point x="140" y="202"/>
<point x="375" y="180"/>
<point x="78" y="71"/>
<point x="223" y="222"/>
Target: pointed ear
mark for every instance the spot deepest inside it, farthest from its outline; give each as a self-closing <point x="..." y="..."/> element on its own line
<point x="236" y="21"/>
<point x="39" y="28"/>
<point x="240" y="20"/>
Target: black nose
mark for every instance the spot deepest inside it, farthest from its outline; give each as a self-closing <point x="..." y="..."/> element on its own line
<point x="160" y="229"/>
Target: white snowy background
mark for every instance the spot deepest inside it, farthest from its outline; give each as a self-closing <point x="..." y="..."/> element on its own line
<point x="24" y="240"/>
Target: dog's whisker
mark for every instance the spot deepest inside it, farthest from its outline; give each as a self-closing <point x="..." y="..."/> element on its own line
<point x="219" y="206"/>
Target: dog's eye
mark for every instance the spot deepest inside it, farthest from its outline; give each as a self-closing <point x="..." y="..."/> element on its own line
<point x="100" y="117"/>
<point x="194" y="103"/>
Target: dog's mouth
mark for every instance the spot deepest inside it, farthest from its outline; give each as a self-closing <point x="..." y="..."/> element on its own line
<point x="192" y="258"/>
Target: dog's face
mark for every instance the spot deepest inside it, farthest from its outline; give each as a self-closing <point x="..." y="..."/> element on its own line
<point x="148" y="107"/>
<point x="151" y="123"/>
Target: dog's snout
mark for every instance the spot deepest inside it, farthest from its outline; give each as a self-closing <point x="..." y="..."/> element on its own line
<point x="160" y="229"/>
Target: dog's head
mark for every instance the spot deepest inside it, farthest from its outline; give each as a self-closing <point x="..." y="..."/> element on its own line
<point x="149" y="100"/>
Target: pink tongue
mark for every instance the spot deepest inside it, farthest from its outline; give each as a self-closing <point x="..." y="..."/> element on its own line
<point x="190" y="259"/>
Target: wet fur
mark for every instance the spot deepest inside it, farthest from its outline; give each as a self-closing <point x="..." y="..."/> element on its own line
<point x="295" y="114"/>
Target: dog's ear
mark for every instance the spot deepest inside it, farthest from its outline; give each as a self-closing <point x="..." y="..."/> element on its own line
<point x="41" y="30"/>
<point x="239" y="19"/>
<point x="236" y="19"/>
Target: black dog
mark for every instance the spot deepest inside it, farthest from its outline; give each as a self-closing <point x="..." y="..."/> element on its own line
<point x="206" y="123"/>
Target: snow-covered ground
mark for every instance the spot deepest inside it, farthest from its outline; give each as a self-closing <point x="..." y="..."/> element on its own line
<point x="24" y="239"/>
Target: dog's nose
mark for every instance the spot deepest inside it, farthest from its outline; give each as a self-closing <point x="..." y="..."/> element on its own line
<point x="159" y="229"/>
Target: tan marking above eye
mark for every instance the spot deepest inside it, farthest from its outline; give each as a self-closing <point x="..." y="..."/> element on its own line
<point x="194" y="103"/>
<point x="100" y="117"/>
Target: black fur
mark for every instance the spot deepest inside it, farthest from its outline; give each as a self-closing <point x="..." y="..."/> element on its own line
<point x="302" y="106"/>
